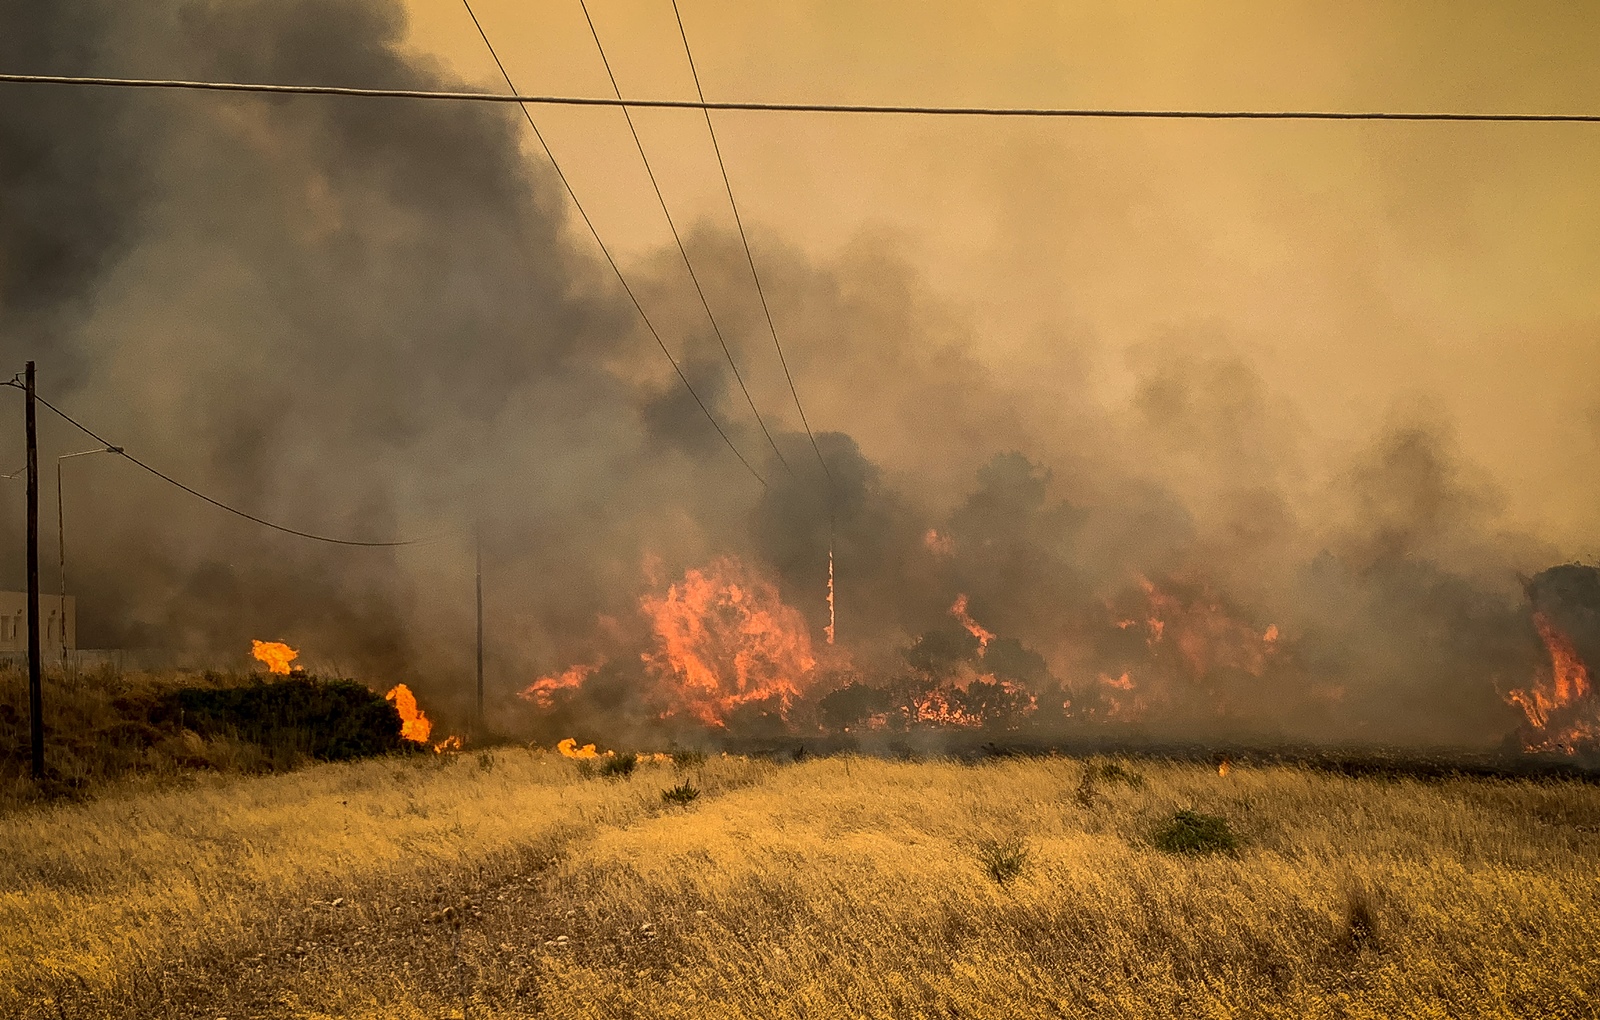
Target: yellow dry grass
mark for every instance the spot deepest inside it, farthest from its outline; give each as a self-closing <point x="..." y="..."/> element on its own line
<point x="840" y="887"/>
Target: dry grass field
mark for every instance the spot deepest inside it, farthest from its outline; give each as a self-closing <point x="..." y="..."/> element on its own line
<point x="507" y="884"/>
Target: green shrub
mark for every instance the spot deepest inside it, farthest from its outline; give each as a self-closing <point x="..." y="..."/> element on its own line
<point x="680" y="795"/>
<point x="1191" y="833"/>
<point x="619" y="766"/>
<point x="1003" y="859"/>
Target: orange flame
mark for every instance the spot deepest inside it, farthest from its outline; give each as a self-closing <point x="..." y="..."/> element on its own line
<point x="449" y="745"/>
<point x="542" y="691"/>
<point x="934" y="707"/>
<point x="1224" y="767"/>
<point x="1554" y="706"/>
<point x="724" y="638"/>
<point x="569" y="749"/>
<point x="414" y="725"/>
<point x="939" y="545"/>
<point x="984" y="636"/>
<point x="275" y="654"/>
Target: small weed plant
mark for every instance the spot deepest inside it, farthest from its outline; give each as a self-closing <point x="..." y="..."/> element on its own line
<point x="619" y="766"/>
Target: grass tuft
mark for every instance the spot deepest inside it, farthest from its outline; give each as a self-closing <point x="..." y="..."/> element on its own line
<point x="619" y="766"/>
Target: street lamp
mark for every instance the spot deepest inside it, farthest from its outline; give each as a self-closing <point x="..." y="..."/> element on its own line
<point x="61" y="536"/>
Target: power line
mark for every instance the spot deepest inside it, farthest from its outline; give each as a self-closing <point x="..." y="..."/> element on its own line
<point x="551" y="156"/>
<point x="113" y="448"/>
<point x="850" y="108"/>
<point x="749" y="258"/>
<point x="695" y="279"/>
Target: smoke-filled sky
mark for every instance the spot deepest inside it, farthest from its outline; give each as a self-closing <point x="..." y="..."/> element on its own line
<point x="1356" y="264"/>
<point x="1343" y="373"/>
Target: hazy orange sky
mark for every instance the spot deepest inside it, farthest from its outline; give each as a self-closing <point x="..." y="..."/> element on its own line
<point x="1451" y="267"/>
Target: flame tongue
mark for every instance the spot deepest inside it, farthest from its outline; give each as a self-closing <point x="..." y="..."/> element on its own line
<point x="275" y="654"/>
<point x="977" y="630"/>
<point x="414" y="725"/>
<point x="543" y="690"/>
<point x="569" y="749"/>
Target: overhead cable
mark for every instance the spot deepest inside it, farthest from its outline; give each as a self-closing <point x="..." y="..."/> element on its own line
<point x="678" y="240"/>
<point x="113" y="448"/>
<point x="750" y="259"/>
<point x="1109" y="113"/>
<point x="551" y="156"/>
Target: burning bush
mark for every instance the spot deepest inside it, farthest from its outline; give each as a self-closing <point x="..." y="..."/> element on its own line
<point x="1562" y="706"/>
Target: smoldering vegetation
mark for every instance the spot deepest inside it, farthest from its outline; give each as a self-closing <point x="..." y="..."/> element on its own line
<point x="378" y="319"/>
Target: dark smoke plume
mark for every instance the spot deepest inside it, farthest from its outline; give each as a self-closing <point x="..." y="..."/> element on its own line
<point x="378" y="319"/>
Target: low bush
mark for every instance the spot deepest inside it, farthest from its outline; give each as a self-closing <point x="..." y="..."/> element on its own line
<point x="684" y="760"/>
<point x="1096" y="772"/>
<point x="104" y="725"/>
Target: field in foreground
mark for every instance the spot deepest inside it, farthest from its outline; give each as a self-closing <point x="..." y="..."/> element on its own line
<point x="507" y="884"/>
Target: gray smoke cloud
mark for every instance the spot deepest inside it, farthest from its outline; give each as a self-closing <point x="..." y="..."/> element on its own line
<point x="379" y="318"/>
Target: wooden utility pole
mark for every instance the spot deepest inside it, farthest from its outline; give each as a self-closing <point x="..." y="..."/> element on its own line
<point x="477" y="551"/>
<point x="35" y="674"/>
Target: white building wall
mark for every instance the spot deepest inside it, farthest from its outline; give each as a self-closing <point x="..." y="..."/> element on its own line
<point x="53" y="616"/>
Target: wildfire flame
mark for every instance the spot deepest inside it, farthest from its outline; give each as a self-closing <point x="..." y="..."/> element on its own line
<point x="1224" y="767"/>
<point x="939" y="545"/>
<point x="414" y="725"/>
<point x="984" y="636"/>
<point x="724" y="638"/>
<point x="542" y="691"/>
<point x="1556" y="705"/>
<point x="569" y="749"/>
<point x="275" y="654"/>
